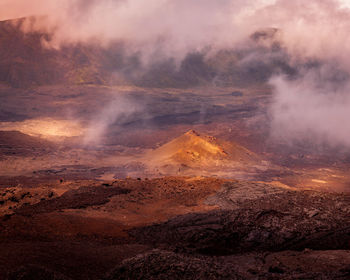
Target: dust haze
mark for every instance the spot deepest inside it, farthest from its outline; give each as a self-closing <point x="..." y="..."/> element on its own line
<point x="309" y="33"/>
<point x="116" y="111"/>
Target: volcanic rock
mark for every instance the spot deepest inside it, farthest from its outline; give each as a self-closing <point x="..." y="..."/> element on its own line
<point x="193" y="151"/>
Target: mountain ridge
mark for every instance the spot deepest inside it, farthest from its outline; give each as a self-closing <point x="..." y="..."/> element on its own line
<point x="26" y="61"/>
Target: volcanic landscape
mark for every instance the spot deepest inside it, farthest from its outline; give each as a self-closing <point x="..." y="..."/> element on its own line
<point x="170" y="173"/>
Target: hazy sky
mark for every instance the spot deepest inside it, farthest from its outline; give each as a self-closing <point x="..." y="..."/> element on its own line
<point x="181" y="25"/>
<point x="309" y="31"/>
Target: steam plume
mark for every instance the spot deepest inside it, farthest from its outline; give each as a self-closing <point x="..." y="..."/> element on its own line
<point x="312" y="33"/>
<point x="119" y="110"/>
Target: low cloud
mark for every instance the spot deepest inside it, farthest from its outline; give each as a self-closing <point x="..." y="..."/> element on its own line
<point x="307" y="109"/>
<point x="312" y="34"/>
<point x="118" y="111"/>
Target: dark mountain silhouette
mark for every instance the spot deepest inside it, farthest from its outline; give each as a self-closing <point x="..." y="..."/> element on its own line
<point x="25" y="61"/>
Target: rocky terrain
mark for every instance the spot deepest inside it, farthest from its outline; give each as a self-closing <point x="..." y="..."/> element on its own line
<point x="187" y="199"/>
<point x="159" y="264"/>
<point x="189" y="228"/>
<point x="187" y="195"/>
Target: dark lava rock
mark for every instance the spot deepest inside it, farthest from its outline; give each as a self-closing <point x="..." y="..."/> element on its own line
<point x="275" y="221"/>
<point x="31" y="272"/>
<point x="74" y="199"/>
<point x="159" y="264"/>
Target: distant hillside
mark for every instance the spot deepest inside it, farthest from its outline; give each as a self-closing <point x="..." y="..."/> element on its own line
<point x="25" y="62"/>
<point x="20" y="144"/>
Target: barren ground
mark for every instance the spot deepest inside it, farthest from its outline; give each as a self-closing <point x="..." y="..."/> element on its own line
<point x="149" y="199"/>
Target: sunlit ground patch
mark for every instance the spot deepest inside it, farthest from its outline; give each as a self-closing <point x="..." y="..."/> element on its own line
<point x="45" y="127"/>
<point x="319" y="181"/>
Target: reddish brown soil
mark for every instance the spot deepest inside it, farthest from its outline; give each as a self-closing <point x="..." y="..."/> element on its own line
<point x="88" y="228"/>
